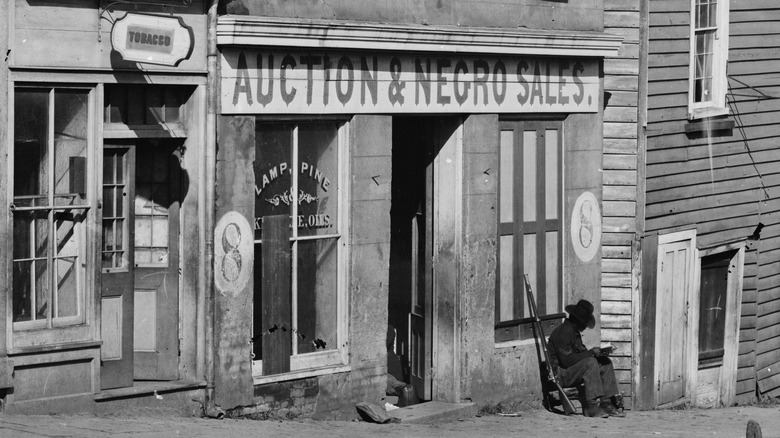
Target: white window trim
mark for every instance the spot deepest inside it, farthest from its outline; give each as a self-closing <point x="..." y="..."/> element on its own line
<point x="331" y="361"/>
<point x="717" y="106"/>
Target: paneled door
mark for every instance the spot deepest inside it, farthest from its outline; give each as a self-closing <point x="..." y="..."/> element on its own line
<point x="140" y="271"/>
<point x="673" y="346"/>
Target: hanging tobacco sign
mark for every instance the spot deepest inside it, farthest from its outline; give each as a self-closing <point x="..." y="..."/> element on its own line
<point x="152" y="39"/>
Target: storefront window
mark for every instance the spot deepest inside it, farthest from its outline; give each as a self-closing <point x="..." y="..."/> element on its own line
<point x="297" y="175"/>
<point x="50" y="206"/>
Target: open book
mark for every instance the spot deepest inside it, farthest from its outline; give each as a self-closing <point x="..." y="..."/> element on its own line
<point x="607" y="348"/>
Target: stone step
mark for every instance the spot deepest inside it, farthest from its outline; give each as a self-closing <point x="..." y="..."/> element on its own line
<point x="434" y="411"/>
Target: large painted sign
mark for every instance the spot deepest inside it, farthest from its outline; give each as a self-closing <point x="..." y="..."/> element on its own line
<point x="152" y="39"/>
<point x="256" y="81"/>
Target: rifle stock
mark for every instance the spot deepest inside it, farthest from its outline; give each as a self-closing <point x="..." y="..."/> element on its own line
<point x="539" y="336"/>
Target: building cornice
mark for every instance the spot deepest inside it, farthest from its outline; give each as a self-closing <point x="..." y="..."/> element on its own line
<point x="234" y="30"/>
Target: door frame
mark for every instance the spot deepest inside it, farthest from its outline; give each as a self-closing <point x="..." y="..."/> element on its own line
<point x="447" y="195"/>
<point x="727" y="381"/>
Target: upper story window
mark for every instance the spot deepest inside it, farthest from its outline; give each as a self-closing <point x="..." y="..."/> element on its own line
<point x="709" y="54"/>
<point x="50" y="206"/>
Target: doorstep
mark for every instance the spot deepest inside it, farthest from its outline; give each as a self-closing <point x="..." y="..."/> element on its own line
<point x="146" y="388"/>
<point x="434" y="411"/>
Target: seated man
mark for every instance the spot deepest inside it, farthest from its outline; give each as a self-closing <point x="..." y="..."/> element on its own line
<point x="574" y="364"/>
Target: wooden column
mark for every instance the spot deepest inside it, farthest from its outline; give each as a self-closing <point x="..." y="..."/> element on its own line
<point x="233" y="385"/>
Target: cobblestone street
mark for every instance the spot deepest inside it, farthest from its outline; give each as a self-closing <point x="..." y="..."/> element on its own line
<point x="729" y="422"/>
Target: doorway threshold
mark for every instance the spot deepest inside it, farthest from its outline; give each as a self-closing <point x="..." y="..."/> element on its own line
<point x="147" y="388"/>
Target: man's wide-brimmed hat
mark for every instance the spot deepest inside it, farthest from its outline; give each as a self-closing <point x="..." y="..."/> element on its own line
<point x="582" y="312"/>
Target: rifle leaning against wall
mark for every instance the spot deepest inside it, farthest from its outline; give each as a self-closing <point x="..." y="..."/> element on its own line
<point x="541" y="343"/>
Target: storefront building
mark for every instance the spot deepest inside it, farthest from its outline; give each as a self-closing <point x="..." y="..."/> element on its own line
<point x="102" y="140"/>
<point x="391" y="173"/>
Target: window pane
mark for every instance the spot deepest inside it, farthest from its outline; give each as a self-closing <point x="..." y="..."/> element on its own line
<point x="529" y="266"/>
<point x="506" y="281"/>
<point x="143" y="232"/>
<point x="551" y="189"/>
<point x="30" y="274"/>
<point x="551" y="276"/>
<point x="318" y="197"/>
<point x="506" y="176"/>
<point x="67" y="287"/>
<point x="529" y="176"/>
<point x="272" y="171"/>
<point x="71" y="126"/>
<point x="317" y="298"/>
<point x="31" y="142"/>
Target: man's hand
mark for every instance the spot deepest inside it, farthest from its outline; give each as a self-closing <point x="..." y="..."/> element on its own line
<point x="596" y="351"/>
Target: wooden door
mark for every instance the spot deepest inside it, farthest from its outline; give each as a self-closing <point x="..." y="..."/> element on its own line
<point x="675" y="282"/>
<point x="156" y="247"/>
<point x="421" y="314"/>
<point x="117" y="271"/>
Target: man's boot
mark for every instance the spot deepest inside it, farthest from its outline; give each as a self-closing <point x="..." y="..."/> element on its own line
<point x="592" y="408"/>
<point x="610" y="409"/>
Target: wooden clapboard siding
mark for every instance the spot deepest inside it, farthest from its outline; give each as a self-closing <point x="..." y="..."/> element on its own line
<point x="726" y="184"/>
<point x="620" y="149"/>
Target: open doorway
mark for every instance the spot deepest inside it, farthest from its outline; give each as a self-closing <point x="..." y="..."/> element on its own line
<point x="416" y="207"/>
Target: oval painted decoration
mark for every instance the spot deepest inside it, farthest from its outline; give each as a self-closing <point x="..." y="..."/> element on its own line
<point x="233" y="253"/>
<point x="586" y="226"/>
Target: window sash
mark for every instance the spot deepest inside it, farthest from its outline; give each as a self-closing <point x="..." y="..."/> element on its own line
<point x="708" y="58"/>
<point x="52" y="210"/>
<point x="529" y="235"/>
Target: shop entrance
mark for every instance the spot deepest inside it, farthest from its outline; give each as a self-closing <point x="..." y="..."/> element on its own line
<point x="140" y="261"/>
<point x="416" y="209"/>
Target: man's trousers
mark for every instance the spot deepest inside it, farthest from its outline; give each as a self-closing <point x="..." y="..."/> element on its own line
<point x="597" y="374"/>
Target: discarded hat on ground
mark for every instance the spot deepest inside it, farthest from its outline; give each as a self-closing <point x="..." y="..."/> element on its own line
<point x="582" y="312"/>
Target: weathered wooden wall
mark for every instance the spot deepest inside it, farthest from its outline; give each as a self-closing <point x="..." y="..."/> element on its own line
<point x="621" y="72"/>
<point x="725" y="183"/>
<point x="533" y="14"/>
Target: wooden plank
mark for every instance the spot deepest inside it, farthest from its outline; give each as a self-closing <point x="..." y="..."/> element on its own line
<point x="614" y="280"/>
<point x="621" y="66"/>
<point x="616" y="307"/>
<point x="621" y="5"/>
<point x="619" y="162"/>
<point x="615" y="321"/>
<point x="626" y="146"/>
<point x="615" y="252"/>
<point x="620" y="130"/>
<point x="620" y="178"/>
<point x="276" y="292"/>
<point x="619" y="224"/>
<point x="620" y="114"/>
<point x="622" y="192"/>
<point x="645" y="396"/>
<point x="609" y="238"/>
<point x="616" y="294"/>
<point x="616" y="266"/>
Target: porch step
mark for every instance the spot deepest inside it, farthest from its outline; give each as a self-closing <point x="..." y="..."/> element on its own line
<point x="434" y="411"/>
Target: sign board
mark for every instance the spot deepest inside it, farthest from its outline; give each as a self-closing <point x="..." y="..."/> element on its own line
<point x="152" y="39"/>
<point x="256" y="81"/>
